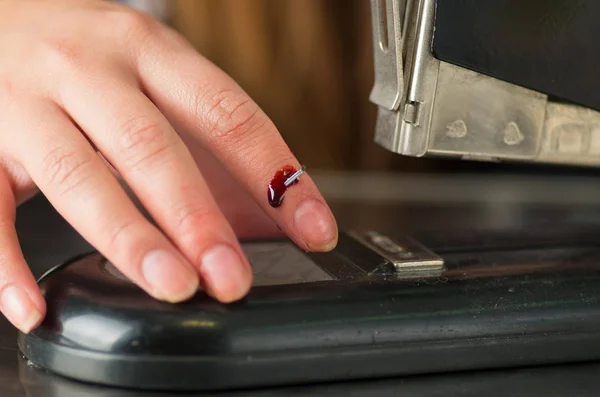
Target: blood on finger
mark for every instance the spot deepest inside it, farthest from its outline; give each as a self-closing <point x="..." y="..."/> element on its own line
<point x="284" y="178"/>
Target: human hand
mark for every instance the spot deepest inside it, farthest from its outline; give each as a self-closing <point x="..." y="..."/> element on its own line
<point x="83" y="77"/>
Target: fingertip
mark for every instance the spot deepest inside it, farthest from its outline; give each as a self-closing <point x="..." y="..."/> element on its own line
<point x="19" y="308"/>
<point x="183" y="296"/>
<point x="168" y="277"/>
<point x="37" y="299"/>
<point x="328" y="247"/>
<point x="229" y="295"/>
<point x="316" y="225"/>
<point x="34" y="320"/>
<point x="227" y="276"/>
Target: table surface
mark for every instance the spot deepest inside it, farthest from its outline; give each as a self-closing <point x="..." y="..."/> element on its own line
<point x="389" y="203"/>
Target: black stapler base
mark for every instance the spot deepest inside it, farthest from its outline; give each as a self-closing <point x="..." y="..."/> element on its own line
<point x="494" y="301"/>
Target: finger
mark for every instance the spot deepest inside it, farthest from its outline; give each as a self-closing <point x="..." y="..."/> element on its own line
<point x="246" y="218"/>
<point x="20" y="298"/>
<point x="199" y="98"/>
<point x="147" y="152"/>
<point x="84" y="191"/>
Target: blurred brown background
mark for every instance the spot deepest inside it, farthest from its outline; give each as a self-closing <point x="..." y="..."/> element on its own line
<point x="309" y="65"/>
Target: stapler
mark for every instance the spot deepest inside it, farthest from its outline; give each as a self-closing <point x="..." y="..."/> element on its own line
<point x="503" y="80"/>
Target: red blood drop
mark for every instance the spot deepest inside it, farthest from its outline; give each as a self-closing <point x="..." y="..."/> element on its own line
<point x="277" y="188"/>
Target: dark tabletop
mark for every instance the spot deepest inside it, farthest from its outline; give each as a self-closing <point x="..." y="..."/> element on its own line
<point x="422" y="204"/>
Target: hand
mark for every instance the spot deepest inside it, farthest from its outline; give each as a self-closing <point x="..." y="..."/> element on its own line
<point x="80" y="78"/>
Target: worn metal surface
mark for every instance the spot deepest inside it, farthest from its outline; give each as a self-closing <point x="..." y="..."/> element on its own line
<point x="406" y="255"/>
<point x="441" y="109"/>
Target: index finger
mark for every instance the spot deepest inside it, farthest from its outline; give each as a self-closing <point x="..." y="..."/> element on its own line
<point x="202" y="100"/>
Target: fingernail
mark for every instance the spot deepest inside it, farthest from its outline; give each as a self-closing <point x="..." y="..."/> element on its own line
<point x="226" y="276"/>
<point x="315" y="224"/>
<point x="19" y="309"/>
<point x="170" y="279"/>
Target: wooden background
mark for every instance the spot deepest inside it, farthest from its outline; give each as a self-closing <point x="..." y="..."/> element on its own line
<point x="308" y="64"/>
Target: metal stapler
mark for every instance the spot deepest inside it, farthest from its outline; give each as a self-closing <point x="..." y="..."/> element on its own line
<point x="503" y="80"/>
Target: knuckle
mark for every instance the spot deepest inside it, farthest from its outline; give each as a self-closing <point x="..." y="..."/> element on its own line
<point x="132" y="23"/>
<point x="66" y="169"/>
<point x="142" y="140"/>
<point x="234" y="118"/>
<point x="137" y="133"/>
<point x="120" y="234"/>
<point x="190" y="220"/>
<point x="63" y="52"/>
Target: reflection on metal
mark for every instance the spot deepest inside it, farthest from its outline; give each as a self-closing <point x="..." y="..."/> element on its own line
<point x="407" y="256"/>
<point x="571" y="132"/>
<point x="294" y="176"/>
<point x="281" y="263"/>
<point x="273" y="263"/>
<point x="431" y="108"/>
<point x="387" y="45"/>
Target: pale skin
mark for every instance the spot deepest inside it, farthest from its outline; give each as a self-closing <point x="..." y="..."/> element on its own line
<point x="90" y="92"/>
